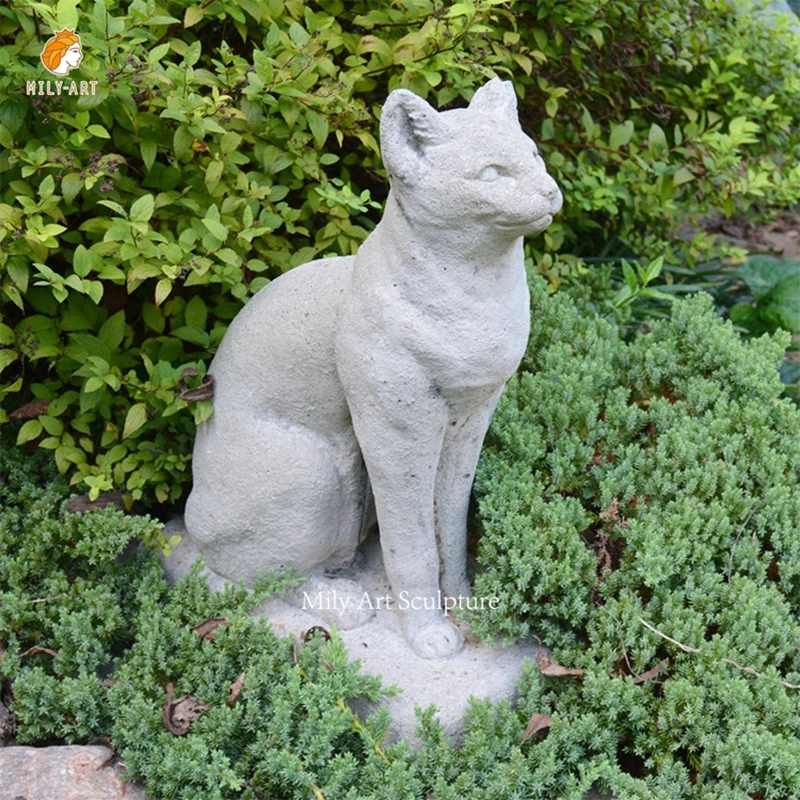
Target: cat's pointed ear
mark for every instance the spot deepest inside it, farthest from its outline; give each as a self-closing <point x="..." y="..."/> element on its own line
<point x="495" y="97"/>
<point x="408" y="126"/>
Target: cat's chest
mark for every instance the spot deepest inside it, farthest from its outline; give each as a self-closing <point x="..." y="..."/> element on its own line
<point x="470" y="338"/>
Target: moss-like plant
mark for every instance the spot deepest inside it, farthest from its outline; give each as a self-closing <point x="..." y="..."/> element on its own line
<point x="641" y="511"/>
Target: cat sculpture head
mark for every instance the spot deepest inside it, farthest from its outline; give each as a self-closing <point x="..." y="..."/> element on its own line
<point x="470" y="165"/>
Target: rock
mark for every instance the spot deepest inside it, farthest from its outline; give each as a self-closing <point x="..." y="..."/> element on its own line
<point x="63" y="773"/>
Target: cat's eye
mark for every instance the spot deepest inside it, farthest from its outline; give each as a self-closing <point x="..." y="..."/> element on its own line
<point x="490" y="174"/>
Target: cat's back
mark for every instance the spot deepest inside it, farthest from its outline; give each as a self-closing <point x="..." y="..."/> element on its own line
<point x="279" y="348"/>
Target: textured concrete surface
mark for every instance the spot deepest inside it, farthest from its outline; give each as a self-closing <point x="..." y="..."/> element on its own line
<point x="63" y="773"/>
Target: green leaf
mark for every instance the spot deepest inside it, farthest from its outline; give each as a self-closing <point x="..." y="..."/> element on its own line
<point x="621" y="135"/>
<point x="19" y="273"/>
<point x="93" y="384"/>
<point x="71" y="184"/>
<point x="196" y="313"/>
<point x="12" y="114"/>
<point x="461" y="10"/>
<point x="153" y="317"/>
<point x="192" y="55"/>
<point x="682" y="175"/>
<point x="99" y="131"/>
<point x="149" y="150"/>
<point x="29" y="431"/>
<point x="81" y="261"/>
<point x="596" y="34"/>
<point x="114" y="207"/>
<point x="143" y="208"/>
<point x="53" y="425"/>
<point x="67" y="14"/>
<point x="163" y="289"/>
<point x="781" y="306"/>
<point x="47" y="187"/>
<point x="193" y="335"/>
<point x="654" y="270"/>
<point x="182" y="141"/>
<point x="135" y="418"/>
<point x="657" y="139"/>
<point x="230" y="142"/>
<point x="112" y="332"/>
<point x="7" y="356"/>
<point x="157" y="53"/>
<point x="95" y="290"/>
<point x="216" y="229"/>
<point x="298" y="34"/>
<point x="318" y="125"/>
<point x="630" y="276"/>
<point x="214" y="172"/>
<point x="193" y="15"/>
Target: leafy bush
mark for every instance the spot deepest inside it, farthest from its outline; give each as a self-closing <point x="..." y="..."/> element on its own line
<point x="641" y="513"/>
<point x="227" y="142"/>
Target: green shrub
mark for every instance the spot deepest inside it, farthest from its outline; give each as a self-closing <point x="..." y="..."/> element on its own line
<point x="640" y="504"/>
<point x="230" y="141"/>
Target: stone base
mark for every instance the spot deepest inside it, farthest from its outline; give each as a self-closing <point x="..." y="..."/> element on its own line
<point x="376" y="640"/>
<point x="63" y="773"/>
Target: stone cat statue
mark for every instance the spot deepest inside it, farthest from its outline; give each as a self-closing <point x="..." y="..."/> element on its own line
<point x="373" y="378"/>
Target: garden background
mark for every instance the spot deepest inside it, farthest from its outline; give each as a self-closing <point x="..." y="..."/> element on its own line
<point x="638" y="503"/>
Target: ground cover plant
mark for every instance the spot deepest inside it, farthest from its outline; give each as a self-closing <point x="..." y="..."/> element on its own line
<point x="640" y="503"/>
<point x="228" y="141"/>
<point x="640" y="512"/>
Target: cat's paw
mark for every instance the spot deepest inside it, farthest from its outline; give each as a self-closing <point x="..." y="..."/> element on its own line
<point x="440" y="639"/>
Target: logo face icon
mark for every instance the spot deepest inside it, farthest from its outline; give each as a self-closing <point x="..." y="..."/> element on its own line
<point x="62" y="52"/>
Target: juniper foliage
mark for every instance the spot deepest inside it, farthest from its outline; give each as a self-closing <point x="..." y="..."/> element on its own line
<point x="650" y="484"/>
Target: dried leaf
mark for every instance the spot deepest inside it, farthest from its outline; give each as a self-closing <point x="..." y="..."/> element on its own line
<point x="316" y="629"/>
<point x="651" y="673"/>
<point x="538" y="722"/>
<point x="179" y="715"/>
<point x="205" y="630"/>
<point x="234" y="690"/>
<point x="81" y="503"/>
<point x="203" y="392"/>
<point x="188" y="372"/>
<point x="36" y="649"/>
<point x="30" y="410"/>
<point x="551" y="669"/>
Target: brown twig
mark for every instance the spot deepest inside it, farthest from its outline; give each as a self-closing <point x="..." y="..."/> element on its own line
<point x="729" y="661"/>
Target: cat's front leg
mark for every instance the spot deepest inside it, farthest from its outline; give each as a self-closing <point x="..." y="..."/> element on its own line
<point x="461" y="449"/>
<point x="400" y="425"/>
